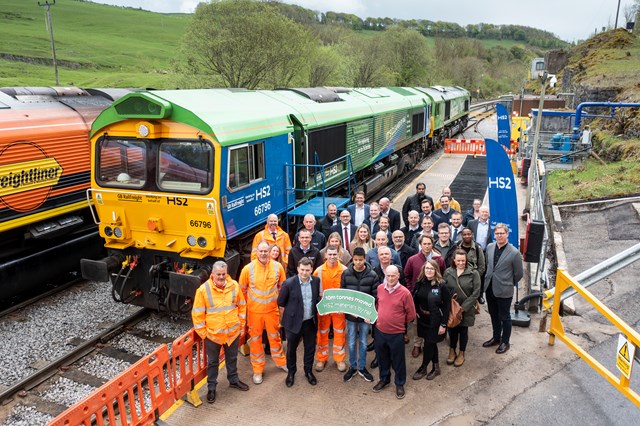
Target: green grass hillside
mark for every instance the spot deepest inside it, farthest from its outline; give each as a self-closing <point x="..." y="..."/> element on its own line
<point x="96" y="45"/>
<point x="99" y="45"/>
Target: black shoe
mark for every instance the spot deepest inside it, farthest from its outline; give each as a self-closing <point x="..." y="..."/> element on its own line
<point x="491" y="342"/>
<point x="399" y="391"/>
<point x="380" y="385"/>
<point x="349" y="374"/>
<point x="374" y="363"/>
<point x="239" y="385"/>
<point x="481" y="300"/>
<point x="211" y="396"/>
<point x="422" y="371"/>
<point x="503" y="348"/>
<point x="364" y="373"/>
<point x="370" y="347"/>
<point x="311" y="378"/>
<point x="289" y="380"/>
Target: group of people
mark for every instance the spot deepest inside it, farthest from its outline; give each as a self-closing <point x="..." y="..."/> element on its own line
<point x="413" y="272"/>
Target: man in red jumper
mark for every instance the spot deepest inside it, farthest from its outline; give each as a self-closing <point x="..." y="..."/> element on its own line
<point x="395" y="310"/>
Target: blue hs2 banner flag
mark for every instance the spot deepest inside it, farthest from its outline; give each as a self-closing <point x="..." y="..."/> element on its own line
<point x="502" y="190"/>
<point x="504" y="128"/>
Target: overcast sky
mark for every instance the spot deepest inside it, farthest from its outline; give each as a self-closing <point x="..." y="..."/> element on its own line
<point x="571" y="20"/>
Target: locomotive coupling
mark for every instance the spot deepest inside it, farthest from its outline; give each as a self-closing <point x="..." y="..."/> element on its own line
<point x="187" y="284"/>
<point x="99" y="270"/>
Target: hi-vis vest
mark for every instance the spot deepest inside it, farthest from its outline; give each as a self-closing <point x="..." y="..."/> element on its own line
<point x="219" y="314"/>
<point x="329" y="277"/>
<point x="260" y="284"/>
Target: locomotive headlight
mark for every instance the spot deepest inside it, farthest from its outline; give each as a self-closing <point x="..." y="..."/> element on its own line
<point x="202" y="242"/>
<point x="143" y="130"/>
<point x="191" y="240"/>
<point x="117" y="232"/>
<point x="108" y="231"/>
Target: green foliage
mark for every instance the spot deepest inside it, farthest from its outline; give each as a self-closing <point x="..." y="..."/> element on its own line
<point x="594" y="180"/>
<point x="287" y="45"/>
<point x="408" y="56"/>
<point x="246" y="43"/>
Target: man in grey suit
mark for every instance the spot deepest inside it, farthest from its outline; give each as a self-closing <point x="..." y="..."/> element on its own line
<point x="504" y="270"/>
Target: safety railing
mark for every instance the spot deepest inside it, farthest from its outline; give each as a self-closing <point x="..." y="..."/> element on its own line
<point x="537" y="181"/>
<point x="190" y="365"/>
<point x="465" y="146"/>
<point x="563" y="282"/>
<point x="135" y="397"/>
<point x="140" y="394"/>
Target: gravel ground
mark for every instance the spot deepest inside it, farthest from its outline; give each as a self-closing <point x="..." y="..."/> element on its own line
<point x="24" y="415"/>
<point x="156" y="326"/>
<point x="66" y="392"/>
<point x="133" y="344"/>
<point x="40" y="333"/>
<point x="104" y="367"/>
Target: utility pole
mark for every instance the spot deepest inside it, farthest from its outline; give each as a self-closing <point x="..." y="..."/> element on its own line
<point x="47" y="6"/>
<point x="617" y="12"/>
<point x="536" y="137"/>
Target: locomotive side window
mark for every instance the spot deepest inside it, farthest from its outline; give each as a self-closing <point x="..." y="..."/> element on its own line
<point x="122" y="163"/>
<point x="246" y="165"/>
<point x="185" y="166"/>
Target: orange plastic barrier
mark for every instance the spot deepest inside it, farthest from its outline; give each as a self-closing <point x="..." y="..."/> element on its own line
<point x="465" y="146"/>
<point x="148" y="381"/>
<point x="189" y="360"/>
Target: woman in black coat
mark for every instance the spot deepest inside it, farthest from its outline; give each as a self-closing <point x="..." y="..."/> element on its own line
<point x="433" y="302"/>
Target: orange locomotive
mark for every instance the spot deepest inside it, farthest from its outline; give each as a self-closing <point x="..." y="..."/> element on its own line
<point x="44" y="175"/>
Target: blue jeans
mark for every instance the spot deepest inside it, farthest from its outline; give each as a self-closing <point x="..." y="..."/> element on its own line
<point x="353" y="328"/>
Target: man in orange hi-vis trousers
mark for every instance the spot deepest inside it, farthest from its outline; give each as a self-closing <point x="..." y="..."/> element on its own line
<point x="259" y="281"/>
<point x="330" y="273"/>
<point x="272" y="234"/>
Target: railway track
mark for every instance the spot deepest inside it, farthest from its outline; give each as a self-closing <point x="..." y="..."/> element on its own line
<point x="60" y="349"/>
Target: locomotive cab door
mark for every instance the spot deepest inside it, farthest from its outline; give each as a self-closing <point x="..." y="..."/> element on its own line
<point x="301" y="174"/>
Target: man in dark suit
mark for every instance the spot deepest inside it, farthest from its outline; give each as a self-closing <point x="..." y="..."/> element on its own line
<point x="297" y="302"/>
<point x="345" y="228"/>
<point x="504" y="270"/>
<point x="324" y="225"/>
<point x="359" y="210"/>
<point x="414" y="201"/>
<point x="393" y="215"/>
<point x="481" y="228"/>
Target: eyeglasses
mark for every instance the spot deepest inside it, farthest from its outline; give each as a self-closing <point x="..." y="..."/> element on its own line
<point x="429" y="268"/>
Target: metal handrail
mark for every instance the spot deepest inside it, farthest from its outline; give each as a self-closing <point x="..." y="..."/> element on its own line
<point x="596" y="273"/>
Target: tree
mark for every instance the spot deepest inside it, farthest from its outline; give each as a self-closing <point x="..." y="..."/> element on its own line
<point x="408" y="56"/>
<point x="323" y="64"/>
<point x="367" y="61"/>
<point x="246" y="43"/>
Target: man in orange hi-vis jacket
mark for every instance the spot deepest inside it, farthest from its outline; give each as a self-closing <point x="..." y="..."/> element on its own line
<point x="272" y="234"/>
<point x="219" y="315"/>
<point x="260" y="280"/>
<point x="330" y="273"/>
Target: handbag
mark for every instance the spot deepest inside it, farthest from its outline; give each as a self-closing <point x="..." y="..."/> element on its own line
<point x="455" y="314"/>
<point x="476" y="307"/>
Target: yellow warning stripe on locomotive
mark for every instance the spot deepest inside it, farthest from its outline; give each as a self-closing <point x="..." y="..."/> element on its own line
<point x="28" y="175"/>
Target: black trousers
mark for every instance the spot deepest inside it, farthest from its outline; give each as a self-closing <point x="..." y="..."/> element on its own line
<point x="500" y="312"/>
<point x="307" y="333"/>
<point x="213" y="362"/>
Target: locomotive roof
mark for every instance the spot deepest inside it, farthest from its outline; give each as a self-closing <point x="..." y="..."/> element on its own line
<point x="238" y="115"/>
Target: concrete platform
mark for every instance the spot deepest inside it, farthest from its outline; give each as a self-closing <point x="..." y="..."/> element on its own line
<point x="472" y="394"/>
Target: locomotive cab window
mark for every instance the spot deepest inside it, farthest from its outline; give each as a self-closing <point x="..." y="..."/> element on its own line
<point x="122" y="163"/>
<point x="185" y="166"/>
<point x="246" y="165"/>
